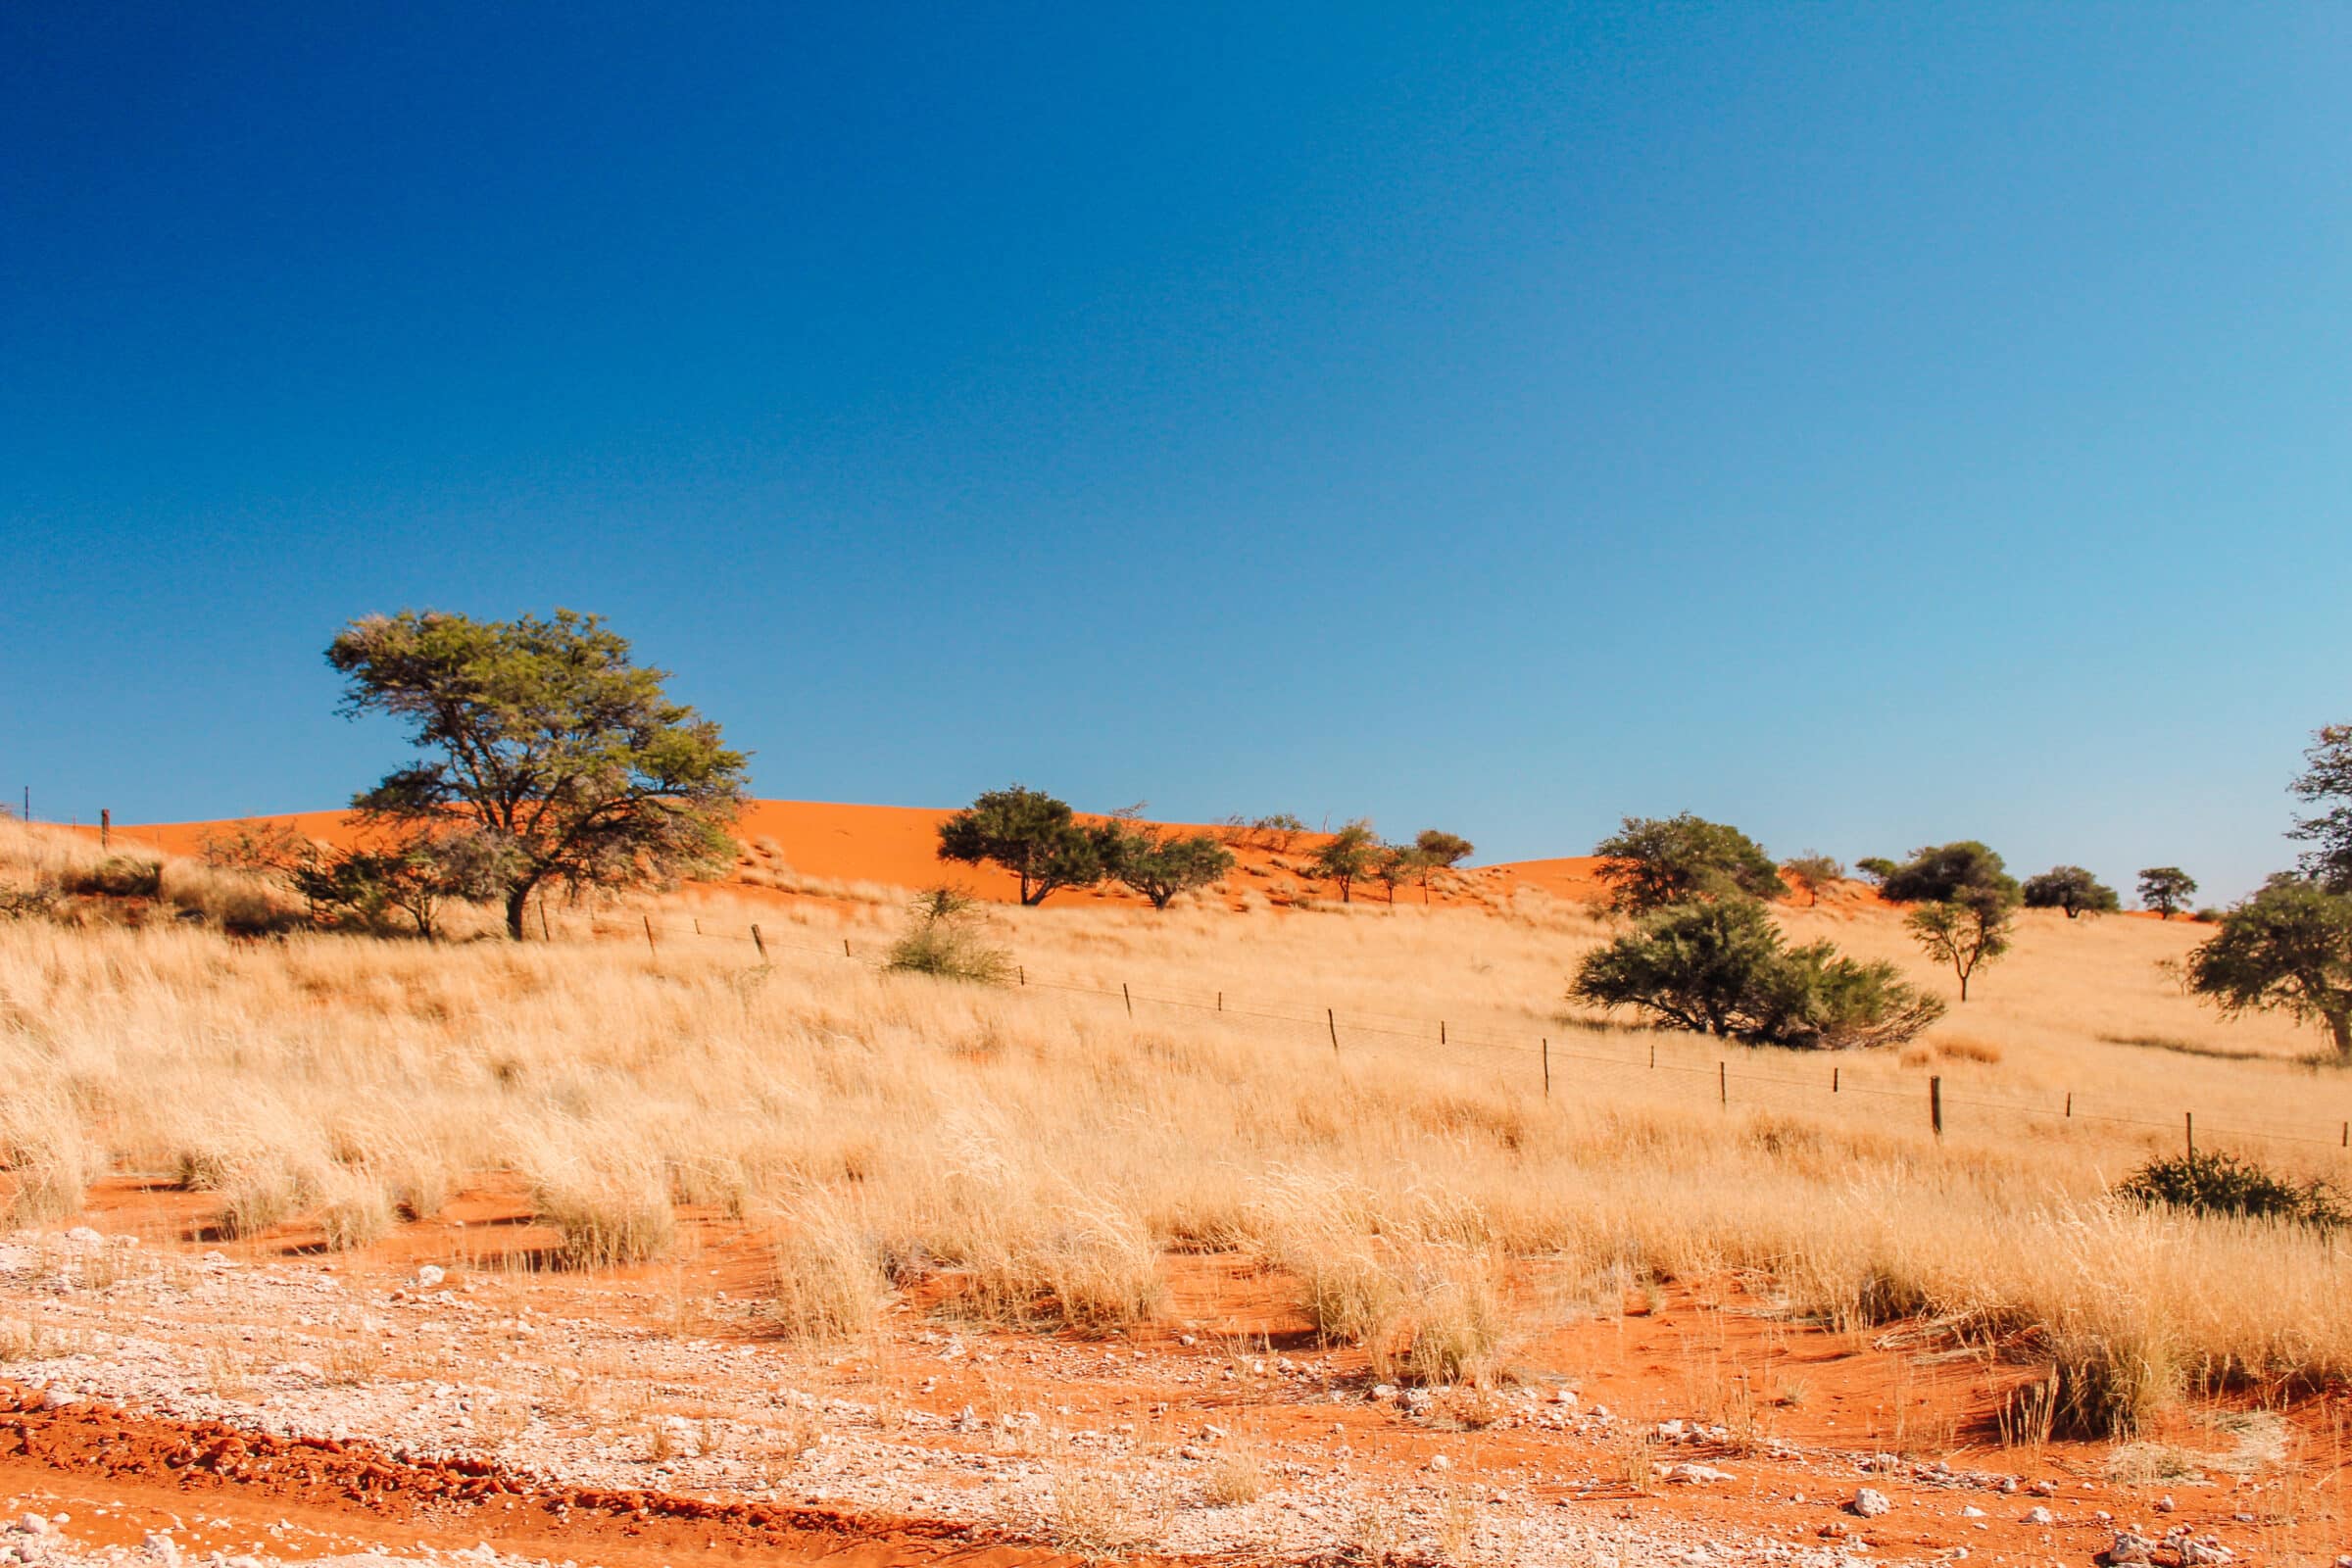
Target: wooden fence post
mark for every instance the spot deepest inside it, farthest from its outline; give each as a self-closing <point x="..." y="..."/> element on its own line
<point x="2070" y="1104"/>
<point x="2189" y="1130"/>
<point x="1331" y="1021"/>
<point x="106" y="827"/>
<point x="1834" y="1073"/>
<point x="845" y="948"/>
<point x="1547" y="1068"/>
<point x="649" y="934"/>
<point x="1440" y="1031"/>
<point x="1723" y="1083"/>
<point x="1935" y="1104"/>
<point x="1126" y="998"/>
<point x="1024" y="970"/>
<point x="758" y="942"/>
<point x="543" y="932"/>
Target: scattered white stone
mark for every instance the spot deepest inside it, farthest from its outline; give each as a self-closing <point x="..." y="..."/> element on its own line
<point x="1972" y="1511"/>
<point x="1869" y="1505"/>
<point x="84" y="1236"/>
<point x="430" y="1276"/>
<point x="2129" y="1548"/>
<point x="2038" y="1515"/>
<point x="1438" y="1461"/>
<point x="1696" y="1475"/>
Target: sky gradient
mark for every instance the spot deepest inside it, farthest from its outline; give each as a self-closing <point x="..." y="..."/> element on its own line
<point x="1871" y="425"/>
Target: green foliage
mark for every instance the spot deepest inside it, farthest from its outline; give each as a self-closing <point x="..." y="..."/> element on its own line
<point x="1875" y="867"/>
<point x="1966" y="932"/>
<point x="543" y="737"/>
<point x="1947" y="874"/>
<point x="947" y="938"/>
<point x="2165" y="888"/>
<point x="2327" y="782"/>
<point x="1437" y="848"/>
<point x="416" y="877"/>
<point x="2289" y="948"/>
<point x="2072" y="889"/>
<point x="1160" y="865"/>
<point x="120" y="876"/>
<point x="1722" y="968"/>
<point x="1351" y="854"/>
<point x="2223" y="1183"/>
<point x="1813" y="871"/>
<point x="1032" y="835"/>
<point x="1653" y="861"/>
<point x="1394" y="863"/>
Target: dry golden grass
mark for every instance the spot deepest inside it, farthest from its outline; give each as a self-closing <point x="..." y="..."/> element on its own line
<point x="1040" y="1151"/>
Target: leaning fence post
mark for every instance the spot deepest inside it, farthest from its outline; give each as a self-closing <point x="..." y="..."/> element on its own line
<point x="649" y="934"/>
<point x="1022" y="970"/>
<point x="543" y="935"/>
<point x="1332" y="1022"/>
<point x="757" y="942"/>
<point x="1440" y="1031"/>
<point x="1547" y="1068"/>
<point x="845" y="947"/>
<point x="1127" y="998"/>
<point x="1935" y="1104"/>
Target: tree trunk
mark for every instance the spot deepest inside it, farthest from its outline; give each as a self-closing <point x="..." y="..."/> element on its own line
<point x="2339" y="1024"/>
<point x="518" y="897"/>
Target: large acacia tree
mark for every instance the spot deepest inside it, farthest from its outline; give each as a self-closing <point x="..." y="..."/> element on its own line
<point x="1653" y="862"/>
<point x="544" y="738"/>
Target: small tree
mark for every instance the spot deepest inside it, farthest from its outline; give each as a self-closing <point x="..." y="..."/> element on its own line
<point x="2289" y="948"/>
<point x="1443" y="849"/>
<point x="1032" y="835"/>
<point x="2327" y="782"/>
<point x="1813" y="871"/>
<point x="1159" y="865"/>
<point x="1966" y="932"/>
<point x="2165" y="888"/>
<point x="1650" y="862"/>
<point x="1875" y="869"/>
<point x="2072" y="889"/>
<point x="547" y="741"/>
<point x="1353" y="853"/>
<point x="1945" y="873"/>
<point x="1721" y="968"/>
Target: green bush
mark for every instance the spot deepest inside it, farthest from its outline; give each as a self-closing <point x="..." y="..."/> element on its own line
<point x="2072" y="889"/>
<point x="1723" y="968"/>
<point x="946" y="941"/>
<point x="1950" y="873"/>
<point x="2223" y="1183"/>
<point x="1653" y="862"/>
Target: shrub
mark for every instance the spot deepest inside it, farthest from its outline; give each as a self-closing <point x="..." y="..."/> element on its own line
<point x="2221" y="1182"/>
<point x="118" y="876"/>
<point x="1722" y="969"/>
<point x="946" y="941"/>
<point x="1650" y="862"/>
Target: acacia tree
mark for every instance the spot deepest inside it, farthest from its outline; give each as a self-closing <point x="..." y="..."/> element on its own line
<point x="2327" y="782"/>
<point x="567" y="757"/>
<point x="2288" y="948"/>
<point x="2165" y="888"/>
<point x="1942" y="873"/>
<point x="1813" y="871"/>
<point x="1652" y="862"/>
<point x="1160" y="865"/>
<point x="2072" y="889"/>
<point x="1353" y="852"/>
<point x="1966" y="932"/>
<point x="1032" y="835"/>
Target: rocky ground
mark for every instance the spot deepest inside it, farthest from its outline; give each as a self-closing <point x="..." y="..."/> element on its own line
<point x="166" y="1403"/>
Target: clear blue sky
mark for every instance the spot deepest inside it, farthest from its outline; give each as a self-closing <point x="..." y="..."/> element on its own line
<point x="1869" y="425"/>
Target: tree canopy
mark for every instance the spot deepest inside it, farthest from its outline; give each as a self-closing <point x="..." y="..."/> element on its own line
<point x="1351" y="854"/>
<point x="1813" y="871"/>
<point x="2289" y="947"/>
<point x="1966" y="932"/>
<point x="542" y="736"/>
<point x="1439" y="848"/>
<point x="2072" y="889"/>
<point x="1940" y="873"/>
<point x="2165" y="888"/>
<point x="1721" y="968"/>
<point x="1159" y="865"/>
<point x="1653" y="862"/>
<point x="2327" y="782"/>
<point x="1032" y="835"/>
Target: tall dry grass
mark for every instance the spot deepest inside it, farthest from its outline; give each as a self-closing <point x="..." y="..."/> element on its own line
<point x="1035" y="1153"/>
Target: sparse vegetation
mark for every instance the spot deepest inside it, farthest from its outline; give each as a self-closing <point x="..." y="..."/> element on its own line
<point x="947" y="936"/>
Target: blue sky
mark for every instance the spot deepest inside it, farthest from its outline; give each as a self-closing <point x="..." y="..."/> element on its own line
<point x="1868" y="424"/>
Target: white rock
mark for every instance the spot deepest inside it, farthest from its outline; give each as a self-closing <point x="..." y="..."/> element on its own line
<point x="2127" y="1548"/>
<point x="1438" y="1461"/>
<point x="430" y="1276"/>
<point x="1972" y="1511"/>
<point x="160" y="1547"/>
<point x="1384" y="1390"/>
<point x="1696" y="1475"/>
<point x="2165" y="1503"/>
<point x="84" y="1236"/>
<point x="2197" y="1551"/>
<point x="1869" y="1505"/>
<point x="2041" y="1516"/>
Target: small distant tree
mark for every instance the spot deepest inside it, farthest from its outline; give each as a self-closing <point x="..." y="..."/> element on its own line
<point x="1279" y="830"/>
<point x="1032" y="835"/>
<point x="1348" y="855"/>
<point x="1813" y="871"/>
<point x="1947" y="873"/>
<point x="1394" y="863"/>
<point x="1159" y="865"/>
<point x="1721" y="968"/>
<point x="547" y="741"/>
<point x="1443" y="849"/>
<point x="2288" y="948"/>
<point x="1653" y="861"/>
<point x="1966" y="932"/>
<point x="2072" y="889"/>
<point x="2165" y="888"/>
<point x="2327" y="782"/>
<point x="1876" y="869"/>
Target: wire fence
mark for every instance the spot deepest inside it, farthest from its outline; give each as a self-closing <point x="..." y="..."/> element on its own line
<point x="1582" y="1055"/>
